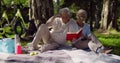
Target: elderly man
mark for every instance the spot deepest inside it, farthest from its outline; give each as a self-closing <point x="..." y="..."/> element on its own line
<point x="57" y="36"/>
<point x="87" y="40"/>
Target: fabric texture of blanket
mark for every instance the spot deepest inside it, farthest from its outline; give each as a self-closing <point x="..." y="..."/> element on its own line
<point x="61" y="56"/>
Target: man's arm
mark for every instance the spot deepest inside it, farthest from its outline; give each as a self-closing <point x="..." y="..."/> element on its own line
<point x="51" y="19"/>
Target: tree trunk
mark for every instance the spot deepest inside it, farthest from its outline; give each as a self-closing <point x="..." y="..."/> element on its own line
<point x="97" y="14"/>
<point x="40" y="10"/>
<point x="0" y="9"/>
<point x="58" y="5"/>
<point x="114" y="15"/>
<point x="91" y="14"/>
<point x="112" y="22"/>
<point x="104" y="15"/>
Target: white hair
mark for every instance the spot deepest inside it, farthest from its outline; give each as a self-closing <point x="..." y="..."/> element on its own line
<point x="81" y="11"/>
<point x="64" y="10"/>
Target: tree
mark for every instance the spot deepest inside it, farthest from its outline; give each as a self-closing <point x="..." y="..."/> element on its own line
<point x="0" y="8"/>
<point x="104" y="15"/>
<point x="91" y="14"/>
<point x="97" y="15"/>
<point x="40" y="10"/>
<point x="109" y="15"/>
<point x="112" y="18"/>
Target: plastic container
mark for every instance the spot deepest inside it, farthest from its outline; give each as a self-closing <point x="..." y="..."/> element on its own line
<point x="18" y="48"/>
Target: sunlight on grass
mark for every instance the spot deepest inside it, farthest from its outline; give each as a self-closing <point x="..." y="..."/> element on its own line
<point x="110" y="40"/>
<point x="114" y="32"/>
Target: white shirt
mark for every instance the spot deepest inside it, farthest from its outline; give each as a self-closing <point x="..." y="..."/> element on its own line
<point x="60" y="29"/>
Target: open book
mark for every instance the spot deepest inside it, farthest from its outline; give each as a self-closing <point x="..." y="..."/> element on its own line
<point x="73" y="35"/>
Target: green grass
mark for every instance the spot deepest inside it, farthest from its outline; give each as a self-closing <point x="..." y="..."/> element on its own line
<point x="110" y="40"/>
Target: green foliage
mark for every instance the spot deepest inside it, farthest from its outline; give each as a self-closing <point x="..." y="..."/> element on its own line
<point x="24" y="2"/>
<point x="6" y="2"/>
<point x="118" y="20"/>
<point x="9" y="2"/>
<point x="73" y="8"/>
<point x="110" y="41"/>
<point x="56" y="6"/>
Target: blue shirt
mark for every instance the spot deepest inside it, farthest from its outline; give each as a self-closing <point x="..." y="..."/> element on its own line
<point x="86" y="29"/>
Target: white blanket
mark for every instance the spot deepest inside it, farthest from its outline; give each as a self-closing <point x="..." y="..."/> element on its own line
<point x="61" y="56"/>
<point x="80" y="56"/>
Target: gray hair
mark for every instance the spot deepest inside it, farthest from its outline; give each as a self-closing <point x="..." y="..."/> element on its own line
<point x="81" y="11"/>
<point x="64" y="10"/>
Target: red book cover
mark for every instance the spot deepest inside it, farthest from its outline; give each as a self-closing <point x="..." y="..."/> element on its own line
<point x="75" y="35"/>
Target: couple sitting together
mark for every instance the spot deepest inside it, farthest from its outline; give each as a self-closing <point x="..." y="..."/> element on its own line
<point x="62" y="24"/>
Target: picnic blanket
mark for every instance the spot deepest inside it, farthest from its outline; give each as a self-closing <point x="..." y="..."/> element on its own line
<point x="61" y="56"/>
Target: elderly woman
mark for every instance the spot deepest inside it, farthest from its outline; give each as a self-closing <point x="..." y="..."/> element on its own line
<point x="87" y="40"/>
<point x="82" y="42"/>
